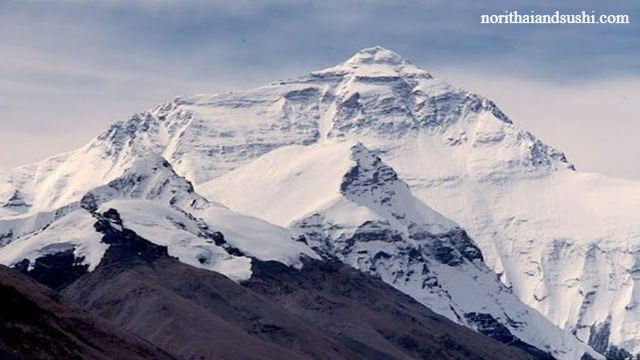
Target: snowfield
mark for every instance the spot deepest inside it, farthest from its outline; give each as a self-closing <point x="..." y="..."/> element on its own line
<point x="369" y="219"/>
<point x="162" y="207"/>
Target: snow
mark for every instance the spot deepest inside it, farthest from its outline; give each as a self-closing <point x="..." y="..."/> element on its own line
<point x="181" y="234"/>
<point x="150" y="178"/>
<point x="375" y="62"/>
<point x="565" y="242"/>
<point x="13" y="227"/>
<point x="335" y="193"/>
<point x="74" y="231"/>
<point x="258" y="238"/>
<point x="163" y="208"/>
<point x="186" y="237"/>
<point x="575" y="236"/>
<point x="293" y="182"/>
<point x="318" y="168"/>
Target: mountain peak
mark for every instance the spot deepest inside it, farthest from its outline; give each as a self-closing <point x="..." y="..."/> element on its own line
<point x="375" y="62"/>
<point x="150" y="178"/>
<point x="376" y="55"/>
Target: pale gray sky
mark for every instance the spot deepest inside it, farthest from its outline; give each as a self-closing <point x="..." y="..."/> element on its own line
<point x="70" y="68"/>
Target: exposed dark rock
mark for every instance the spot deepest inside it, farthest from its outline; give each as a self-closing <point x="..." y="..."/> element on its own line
<point x="198" y="314"/>
<point x="218" y="238"/>
<point x="302" y="95"/>
<point x="445" y="254"/>
<point x="35" y="323"/>
<point x="125" y="245"/>
<point x="233" y="251"/>
<point x="489" y="326"/>
<point x="89" y="202"/>
<point x="302" y="239"/>
<point x="15" y="201"/>
<point x="450" y="248"/>
<point x="599" y="337"/>
<point x="374" y="231"/>
<point x="60" y="268"/>
<point x="365" y="178"/>
<point x="616" y="353"/>
<point x="56" y="270"/>
<point x="599" y="341"/>
<point x="463" y="243"/>
<point x="368" y="315"/>
<point x="6" y="237"/>
<point x="326" y="310"/>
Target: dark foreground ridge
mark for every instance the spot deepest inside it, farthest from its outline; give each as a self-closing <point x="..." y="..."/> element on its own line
<point x="35" y="323"/>
<point x="326" y="310"/>
<point x="369" y="315"/>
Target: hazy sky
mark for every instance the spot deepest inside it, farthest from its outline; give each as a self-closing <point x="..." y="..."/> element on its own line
<point x="70" y="68"/>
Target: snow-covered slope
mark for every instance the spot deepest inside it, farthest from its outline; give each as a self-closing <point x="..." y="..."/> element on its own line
<point x="294" y="182"/>
<point x="346" y="202"/>
<point x="73" y="232"/>
<point x="566" y="242"/>
<point x="519" y="199"/>
<point x="160" y="206"/>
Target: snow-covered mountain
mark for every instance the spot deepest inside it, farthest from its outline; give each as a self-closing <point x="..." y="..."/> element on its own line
<point x="346" y="202"/>
<point x="152" y="200"/>
<point x="563" y="241"/>
<point x="129" y="252"/>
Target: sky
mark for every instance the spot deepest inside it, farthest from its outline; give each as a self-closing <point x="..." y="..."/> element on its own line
<point x="70" y="68"/>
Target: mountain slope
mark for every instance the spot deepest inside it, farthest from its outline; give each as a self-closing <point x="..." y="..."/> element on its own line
<point x="159" y="204"/>
<point x="564" y="241"/>
<point x="568" y="251"/>
<point x="36" y="324"/>
<point x="461" y="155"/>
<point x="346" y="202"/>
<point x="323" y="310"/>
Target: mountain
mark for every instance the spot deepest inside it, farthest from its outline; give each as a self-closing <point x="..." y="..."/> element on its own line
<point x="154" y="201"/>
<point x="35" y="323"/>
<point x="562" y="241"/>
<point x="177" y="289"/>
<point x="324" y="310"/>
<point x="348" y="203"/>
<point x="151" y="201"/>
